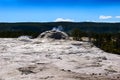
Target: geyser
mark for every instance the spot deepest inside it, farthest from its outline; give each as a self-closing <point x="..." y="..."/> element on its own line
<point x="55" y="33"/>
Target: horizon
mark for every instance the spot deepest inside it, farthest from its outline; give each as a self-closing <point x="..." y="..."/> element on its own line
<point x="54" y="22"/>
<point x="13" y="11"/>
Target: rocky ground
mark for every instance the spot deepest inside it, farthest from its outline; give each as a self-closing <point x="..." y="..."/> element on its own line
<point x="35" y="59"/>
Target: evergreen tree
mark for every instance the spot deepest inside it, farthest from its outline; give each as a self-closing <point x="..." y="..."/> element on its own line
<point x="76" y="34"/>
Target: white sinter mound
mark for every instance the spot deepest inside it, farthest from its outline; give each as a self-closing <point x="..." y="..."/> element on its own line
<point x="53" y="34"/>
<point x="55" y="60"/>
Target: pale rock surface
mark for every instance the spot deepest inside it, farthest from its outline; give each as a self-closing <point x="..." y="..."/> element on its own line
<point x="44" y="59"/>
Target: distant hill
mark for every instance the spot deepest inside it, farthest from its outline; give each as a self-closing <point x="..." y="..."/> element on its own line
<point x="67" y="26"/>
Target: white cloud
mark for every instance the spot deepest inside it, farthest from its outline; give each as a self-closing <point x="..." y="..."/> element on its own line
<point x="88" y="21"/>
<point x="104" y="17"/>
<point x="63" y="20"/>
<point x="117" y="16"/>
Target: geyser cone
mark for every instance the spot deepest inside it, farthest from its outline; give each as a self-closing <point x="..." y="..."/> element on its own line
<point x="54" y="34"/>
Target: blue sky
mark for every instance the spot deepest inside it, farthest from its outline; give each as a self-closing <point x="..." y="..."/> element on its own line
<point x="59" y="10"/>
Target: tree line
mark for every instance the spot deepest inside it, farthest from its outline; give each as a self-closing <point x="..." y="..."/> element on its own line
<point x="67" y="26"/>
<point x="16" y="34"/>
<point x="109" y="42"/>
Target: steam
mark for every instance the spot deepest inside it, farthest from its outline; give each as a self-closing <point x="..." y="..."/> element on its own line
<point x="59" y="28"/>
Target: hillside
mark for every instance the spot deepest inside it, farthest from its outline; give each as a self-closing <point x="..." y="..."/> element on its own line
<point x="68" y="26"/>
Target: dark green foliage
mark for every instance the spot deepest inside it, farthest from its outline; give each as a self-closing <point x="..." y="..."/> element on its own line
<point x="76" y="34"/>
<point x="109" y="42"/>
<point x="67" y="26"/>
<point x="15" y="34"/>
